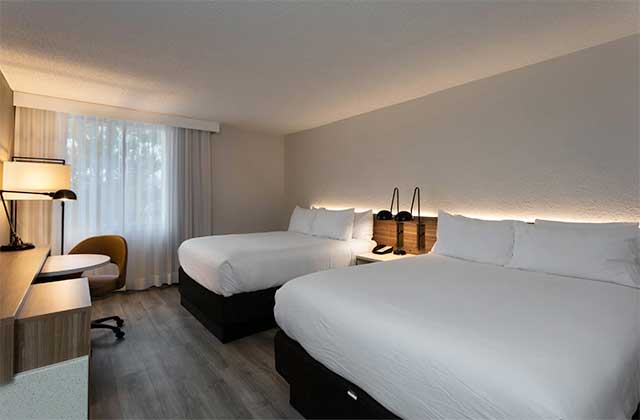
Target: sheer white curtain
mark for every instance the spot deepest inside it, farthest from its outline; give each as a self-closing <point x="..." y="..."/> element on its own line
<point x="149" y="183"/>
<point x="122" y="173"/>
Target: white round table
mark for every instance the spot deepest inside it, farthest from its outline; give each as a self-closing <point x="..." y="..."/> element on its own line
<point x="61" y="265"/>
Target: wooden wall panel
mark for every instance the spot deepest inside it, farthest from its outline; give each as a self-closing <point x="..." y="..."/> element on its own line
<point x="6" y="350"/>
<point x="385" y="231"/>
<point x="52" y="339"/>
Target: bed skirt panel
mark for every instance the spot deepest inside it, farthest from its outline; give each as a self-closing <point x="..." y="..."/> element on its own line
<point x="317" y="392"/>
<point x="231" y="317"/>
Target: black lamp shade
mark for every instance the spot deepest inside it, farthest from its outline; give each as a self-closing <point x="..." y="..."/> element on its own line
<point x="404" y="216"/>
<point x="384" y="215"/>
<point x="64" y="195"/>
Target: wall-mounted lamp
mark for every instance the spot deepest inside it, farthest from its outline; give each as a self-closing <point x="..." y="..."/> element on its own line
<point x="386" y="214"/>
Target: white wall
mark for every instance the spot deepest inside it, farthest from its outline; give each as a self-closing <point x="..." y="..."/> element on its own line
<point x="249" y="181"/>
<point x="6" y="143"/>
<point x="557" y="139"/>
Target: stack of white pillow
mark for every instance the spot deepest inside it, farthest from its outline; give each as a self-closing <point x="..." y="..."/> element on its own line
<point x="598" y="251"/>
<point x="333" y="224"/>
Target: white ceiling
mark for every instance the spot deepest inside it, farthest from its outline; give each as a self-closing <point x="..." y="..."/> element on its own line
<point x="284" y="66"/>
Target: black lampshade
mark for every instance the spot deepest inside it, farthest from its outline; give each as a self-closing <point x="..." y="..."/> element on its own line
<point x="386" y="214"/>
<point x="403" y="216"/>
<point x="64" y="195"/>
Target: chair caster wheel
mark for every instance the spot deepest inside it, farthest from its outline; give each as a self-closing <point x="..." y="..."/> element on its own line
<point x="120" y="323"/>
<point x="120" y="335"/>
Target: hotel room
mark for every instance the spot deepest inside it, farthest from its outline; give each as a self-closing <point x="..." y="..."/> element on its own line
<point x="320" y="209"/>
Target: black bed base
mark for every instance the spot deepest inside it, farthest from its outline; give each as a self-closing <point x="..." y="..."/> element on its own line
<point x="228" y="318"/>
<point x="318" y="393"/>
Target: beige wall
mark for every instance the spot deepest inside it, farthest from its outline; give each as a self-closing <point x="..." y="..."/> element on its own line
<point x="249" y="181"/>
<point x="6" y="142"/>
<point x="557" y="139"/>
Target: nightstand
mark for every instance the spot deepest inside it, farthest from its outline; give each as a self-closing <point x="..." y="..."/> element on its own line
<point x="370" y="257"/>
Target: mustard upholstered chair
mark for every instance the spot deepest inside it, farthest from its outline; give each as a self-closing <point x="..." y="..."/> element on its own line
<point x="116" y="248"/>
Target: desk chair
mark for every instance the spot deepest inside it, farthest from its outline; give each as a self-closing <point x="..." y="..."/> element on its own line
<point x="100" y="285"/>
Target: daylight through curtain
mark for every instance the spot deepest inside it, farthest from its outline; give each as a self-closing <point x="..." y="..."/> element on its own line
<point x="132" y="179"/>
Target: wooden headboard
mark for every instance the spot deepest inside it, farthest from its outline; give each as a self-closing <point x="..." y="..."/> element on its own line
<point x="385" y="232"/>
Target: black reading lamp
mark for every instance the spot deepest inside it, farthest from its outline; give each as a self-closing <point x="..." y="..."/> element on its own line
<point x="407" y="216"/>
<point x="386" y="214"/>
<point x="15" y="243"/>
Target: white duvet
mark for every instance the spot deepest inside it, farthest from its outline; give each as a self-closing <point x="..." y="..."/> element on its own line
<point x="437" y="337"/>
<point x="231" y="264"/>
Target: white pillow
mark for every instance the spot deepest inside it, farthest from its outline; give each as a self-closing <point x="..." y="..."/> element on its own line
<point x="615" y="225"/>
<point x="587" y="252"/>
<point x="363" y="225"/>
<point x="333" y="224"/>
<point x="483" y="241"/>
<point x="302" y="220"/>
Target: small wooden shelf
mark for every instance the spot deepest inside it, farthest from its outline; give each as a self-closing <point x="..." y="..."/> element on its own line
<point x="53" y="324"/>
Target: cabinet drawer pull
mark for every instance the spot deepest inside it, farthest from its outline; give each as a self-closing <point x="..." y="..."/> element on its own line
<point x="352" y="394"/>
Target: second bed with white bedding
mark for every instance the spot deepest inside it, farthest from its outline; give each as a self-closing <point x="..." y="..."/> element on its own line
<point x="232" y="264"/>
<point x="439" y="337"/>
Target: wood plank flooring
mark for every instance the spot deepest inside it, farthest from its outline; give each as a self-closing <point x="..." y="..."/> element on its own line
<point x="170" y="366"/>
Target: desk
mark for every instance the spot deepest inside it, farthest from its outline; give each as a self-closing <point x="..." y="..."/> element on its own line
<point x="44" y="341"/>
<point x="64" y="265"/>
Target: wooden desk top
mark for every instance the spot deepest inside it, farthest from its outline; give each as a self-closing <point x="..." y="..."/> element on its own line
<point x="54" y="298"/>
<point x="17" y="271"/>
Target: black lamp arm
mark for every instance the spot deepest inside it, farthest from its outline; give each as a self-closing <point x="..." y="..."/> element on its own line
<point x="416" y="190"/>
<point x="6" y="211"/>
<point x="395" y="196"/>
<point x="48" y="194"/>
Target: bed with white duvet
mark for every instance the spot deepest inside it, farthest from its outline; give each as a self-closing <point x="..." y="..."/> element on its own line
<point x="231" y="264"/>
<point x="228" y="282"/>
<point x="440" y="337"/>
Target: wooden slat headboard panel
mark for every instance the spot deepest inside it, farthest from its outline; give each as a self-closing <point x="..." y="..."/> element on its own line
<point x="384" y="232"/>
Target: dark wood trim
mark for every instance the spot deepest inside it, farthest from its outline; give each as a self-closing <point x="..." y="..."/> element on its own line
<point x="228" y="318"/>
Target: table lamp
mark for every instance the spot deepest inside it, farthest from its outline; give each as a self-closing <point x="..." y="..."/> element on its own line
<point x="27" y="178"/>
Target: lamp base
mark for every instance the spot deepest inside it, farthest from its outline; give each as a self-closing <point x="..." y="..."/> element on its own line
<point x="21" y="247"/>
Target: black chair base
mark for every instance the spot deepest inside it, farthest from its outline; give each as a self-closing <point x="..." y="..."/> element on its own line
<point x="101" y="324"/>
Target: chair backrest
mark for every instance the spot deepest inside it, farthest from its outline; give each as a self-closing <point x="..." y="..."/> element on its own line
<point x="112" y="245"/>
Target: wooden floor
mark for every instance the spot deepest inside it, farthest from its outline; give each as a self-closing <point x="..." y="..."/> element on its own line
<point x="170" y="366"/>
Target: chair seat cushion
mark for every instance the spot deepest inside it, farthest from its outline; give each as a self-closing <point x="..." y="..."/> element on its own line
<point x="100" y="285"/>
